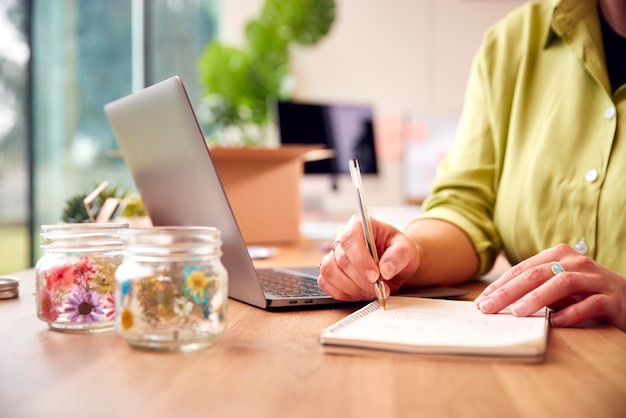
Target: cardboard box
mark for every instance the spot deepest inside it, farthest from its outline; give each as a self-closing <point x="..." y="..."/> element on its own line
<point x="263" y="188"/>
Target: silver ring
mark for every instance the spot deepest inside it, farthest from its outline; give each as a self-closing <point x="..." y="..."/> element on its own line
<point x="334" y="246"/>
<point x="557" y="268"/>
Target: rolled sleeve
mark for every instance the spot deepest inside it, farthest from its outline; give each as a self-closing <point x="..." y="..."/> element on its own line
<point x="464" y="192"/>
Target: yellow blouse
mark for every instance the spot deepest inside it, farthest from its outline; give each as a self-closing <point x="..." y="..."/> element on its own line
<point x="540" y="152"/>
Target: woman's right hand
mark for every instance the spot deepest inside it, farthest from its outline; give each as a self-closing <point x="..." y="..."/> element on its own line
<point x="348" y="271"/>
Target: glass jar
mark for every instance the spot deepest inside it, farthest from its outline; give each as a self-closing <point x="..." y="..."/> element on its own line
<point x="75" y="276"/>
<point x="171" y="288"/>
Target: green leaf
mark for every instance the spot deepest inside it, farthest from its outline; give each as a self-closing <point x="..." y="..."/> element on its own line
<point x="240" y="82"/>
<point x="307" y="21"/>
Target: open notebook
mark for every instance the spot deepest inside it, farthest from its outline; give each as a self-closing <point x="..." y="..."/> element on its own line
<point x="438" y="327"/>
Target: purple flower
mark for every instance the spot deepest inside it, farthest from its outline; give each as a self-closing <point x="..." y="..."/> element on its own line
<point x="84" y="305"/>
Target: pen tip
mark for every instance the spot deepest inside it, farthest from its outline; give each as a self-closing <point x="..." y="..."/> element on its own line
<point x="383" y="303"/>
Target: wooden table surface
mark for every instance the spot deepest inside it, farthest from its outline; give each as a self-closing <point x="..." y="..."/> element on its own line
<point x="269" y="364"/>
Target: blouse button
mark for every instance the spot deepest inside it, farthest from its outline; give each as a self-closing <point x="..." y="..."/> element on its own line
<point x="610" y="112"/>
<point x="581" y="247"/>
<point x="591" y="175"/>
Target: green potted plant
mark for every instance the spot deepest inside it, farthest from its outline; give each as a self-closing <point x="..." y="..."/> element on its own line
<point x="240" y="83"/>
<point x="131" y="207"/>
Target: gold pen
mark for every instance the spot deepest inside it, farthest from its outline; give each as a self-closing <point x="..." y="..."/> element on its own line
<point x="355" y="172"/>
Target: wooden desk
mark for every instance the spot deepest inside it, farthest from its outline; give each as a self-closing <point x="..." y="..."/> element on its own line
<point x="270" y="365"/>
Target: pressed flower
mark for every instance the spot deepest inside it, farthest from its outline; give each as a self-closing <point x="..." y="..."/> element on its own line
<point x="218" y="311"/>
<point x="165" y="312"/>
<point x="196" y="286"/>
<point x="126" y="318"/>
<point x="156" y="295"/>
<point x="60" y="275"/>
<point x="126" y="286"/>
<point x="49" y="306"/>
<point x="109" y="307"/>
<point x="104" y="276"/>
<point x="182" y="306"/>
<point x="84" y="270"/>
<point x="84" y="305"/>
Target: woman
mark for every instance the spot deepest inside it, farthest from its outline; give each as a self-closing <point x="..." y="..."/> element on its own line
<point x="537" y="171"/>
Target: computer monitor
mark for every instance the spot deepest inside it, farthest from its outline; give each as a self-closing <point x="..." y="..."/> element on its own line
<point x="347" y="129"/>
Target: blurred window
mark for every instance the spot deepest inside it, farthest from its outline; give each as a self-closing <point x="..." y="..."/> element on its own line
<point x="85" y="53"/>
<point x="14" y="150"/>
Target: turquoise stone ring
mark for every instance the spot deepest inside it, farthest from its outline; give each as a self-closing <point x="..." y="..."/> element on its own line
<point x="557" y="268"/>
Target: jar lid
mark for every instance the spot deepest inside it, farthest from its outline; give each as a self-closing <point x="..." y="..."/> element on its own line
<point x="9" y="287"/>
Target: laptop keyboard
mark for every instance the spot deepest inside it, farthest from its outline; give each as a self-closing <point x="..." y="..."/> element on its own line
<point x="288" y="285"/>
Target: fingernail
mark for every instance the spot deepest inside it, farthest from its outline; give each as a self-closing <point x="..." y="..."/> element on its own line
<point x="365" y="296"/>
<point x="519" y="309"/>
<point x="487" y="305"/>
<point x="388" y="269"/>
<point x="371" y="275"/>
<point x="557" y="320"/>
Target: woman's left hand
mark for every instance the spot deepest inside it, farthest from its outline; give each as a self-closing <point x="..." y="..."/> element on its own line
<point x="575" y="286"/>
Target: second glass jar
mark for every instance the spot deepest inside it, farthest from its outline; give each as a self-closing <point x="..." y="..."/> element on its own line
<point x="171" y="288"/>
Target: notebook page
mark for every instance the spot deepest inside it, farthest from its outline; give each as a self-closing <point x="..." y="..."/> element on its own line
<point x="414" y="324"/>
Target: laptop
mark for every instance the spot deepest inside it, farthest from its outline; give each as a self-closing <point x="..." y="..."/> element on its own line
<point x="165" y="150"/>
